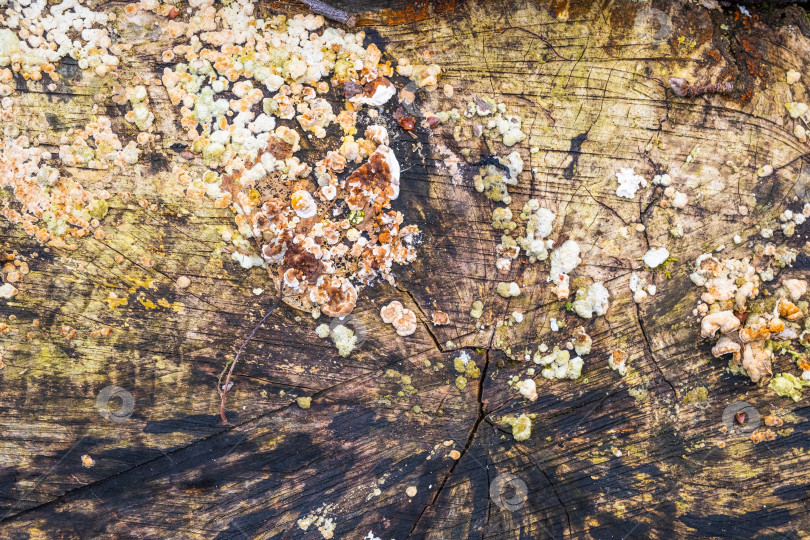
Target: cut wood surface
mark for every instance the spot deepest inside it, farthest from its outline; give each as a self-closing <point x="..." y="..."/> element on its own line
<point x="608" y="457"/>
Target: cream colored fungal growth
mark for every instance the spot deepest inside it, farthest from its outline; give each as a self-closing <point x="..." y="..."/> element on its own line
<point x="401" y="318"/>
<point x="539" y="222"/>
<point x="563" y="260"/>
<point x="344" y="339"/>
<point x="37" y="34"/>
<point x="528" y="389"/>
<point x="7" y="290"/>
<point x="618" y="362"/>
<point x="582" y="341"/>
<point x="559" y="365"/>
<point x="49" y="205"/>
<point x="629" y="183"/>
<point x="591" y="301"/>
<point x="247" y="90"/>
<point x="656" y="257"/>
<point x="725" y="321"/>
<point x="140" y="115"/>
<point x="745" y="322"/>
<point x="508" y="289"/>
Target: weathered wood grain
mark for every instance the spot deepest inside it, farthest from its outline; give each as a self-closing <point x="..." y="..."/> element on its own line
<point x="593" y="95"/>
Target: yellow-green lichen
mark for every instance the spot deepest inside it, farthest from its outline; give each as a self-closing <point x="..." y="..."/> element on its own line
<point x="521" y="426"/>
<point x="697" y="395"/>
<point x="788" y="385"/>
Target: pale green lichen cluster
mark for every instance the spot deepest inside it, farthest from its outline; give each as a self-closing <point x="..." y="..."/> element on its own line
<point x="344" y="338"/>
<point x="464" y="365"/>
<point x="697" y="395"/>
<point x="521" y="426"/>
<point x="788" y="385"/>
<point x="141" y="116"/>
<point x="502" y="219"/>
<point x="493" y="181"/>
<point x="591" y="301"/>
<point x="558" y="364"/>
<point x="508" y="289"/>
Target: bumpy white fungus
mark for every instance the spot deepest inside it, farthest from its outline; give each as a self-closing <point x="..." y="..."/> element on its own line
<point x="629" y="183"/>
<point x="656" y="257"/>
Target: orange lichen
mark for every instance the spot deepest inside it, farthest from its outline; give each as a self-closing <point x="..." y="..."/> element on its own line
<point x="763" y="435"/>
<point x="440" y="318"/>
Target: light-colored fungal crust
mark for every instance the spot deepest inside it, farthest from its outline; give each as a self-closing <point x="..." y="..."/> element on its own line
<point x="756" y="361"/>
<point x="788" y="310"/>
<point x="796" y="288"/>
<point x="618" y="362"/>
<point x="375" y="93"/>
<point x="335" y="296"/>
<point x="391" y="311"/>
<point x="727" y="345"/>
<point x="303" y="204"/>
<point x="725" y="321"/>
<point x="760" y="328"/>
<point x="528" y="389"/>
<point x="401" y="318"/>
<point x="745" y="325"/>
<point x="440" y="318"/>
<point x="582" y="341"/>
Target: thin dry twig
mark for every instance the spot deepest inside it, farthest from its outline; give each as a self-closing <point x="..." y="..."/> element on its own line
<point x="331" y="13"/>
<point x="223" y="388"/>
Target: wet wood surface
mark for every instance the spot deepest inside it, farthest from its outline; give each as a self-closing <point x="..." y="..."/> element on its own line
<point x="609" y="456"/>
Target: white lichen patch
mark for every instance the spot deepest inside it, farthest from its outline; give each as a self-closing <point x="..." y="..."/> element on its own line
<point x="591" y="301"/>
<point x="655" y="257"/>
<point x="558" y="364"/>
<point x="343" y="337"/>
<point x="629" y="183"/>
